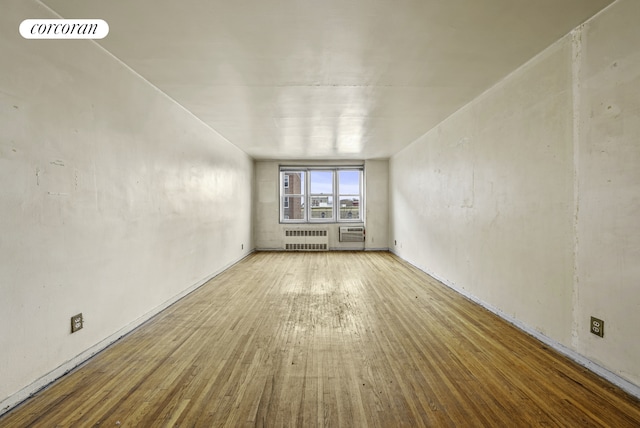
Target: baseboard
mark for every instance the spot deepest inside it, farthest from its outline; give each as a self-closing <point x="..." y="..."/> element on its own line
<point x="604" y="373"/>
<point x="25" y="393"/>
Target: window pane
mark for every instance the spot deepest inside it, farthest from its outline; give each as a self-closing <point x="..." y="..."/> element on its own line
<point x="349" y="182"/>
<point x="320" y="200"/>
<point x="350" y="207"/>
<point x="295" y="182"/>
<point x="322" y="207"/>
<point x="293" y="208"/>
<point x="322" y="182"/>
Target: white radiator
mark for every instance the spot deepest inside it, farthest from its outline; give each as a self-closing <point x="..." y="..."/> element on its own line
<point x="306" y="240"/>
<point x="351" y="234"/>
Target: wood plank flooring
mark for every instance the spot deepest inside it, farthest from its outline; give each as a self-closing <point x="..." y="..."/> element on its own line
<point x="327" y="339"/>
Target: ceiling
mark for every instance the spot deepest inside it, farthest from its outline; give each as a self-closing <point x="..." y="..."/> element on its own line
<point x="326" y="79"/>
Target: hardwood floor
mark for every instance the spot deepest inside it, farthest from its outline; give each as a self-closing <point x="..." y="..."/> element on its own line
<point x="327" y="339"/>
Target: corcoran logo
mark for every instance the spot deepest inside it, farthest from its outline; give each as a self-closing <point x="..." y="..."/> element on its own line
<point x="64" y="29"/>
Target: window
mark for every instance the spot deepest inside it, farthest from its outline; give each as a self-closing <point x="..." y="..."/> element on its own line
<point x="321" y="195"/>
<point x="321" y="183"/>
<point x="349" y="194"/>
<point x="293" y="196"/>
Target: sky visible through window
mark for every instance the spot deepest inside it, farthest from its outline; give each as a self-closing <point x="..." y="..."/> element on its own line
<point x="349" y="182"/>
<point x="322" y="182"/>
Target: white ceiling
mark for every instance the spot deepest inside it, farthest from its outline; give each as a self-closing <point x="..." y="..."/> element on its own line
<point x="326" y="79"/>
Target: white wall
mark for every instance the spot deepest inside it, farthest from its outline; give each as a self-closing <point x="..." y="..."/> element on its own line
<point x="608" y="171"/>
<point x="485" y="199"/>
<point x="376" y="175"/>
<point x="533" y="210"/>
<point x="114" y="201"/>
<point x="269" y="231"/>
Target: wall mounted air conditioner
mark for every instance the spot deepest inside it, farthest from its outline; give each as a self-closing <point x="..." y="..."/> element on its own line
<point x="351" y="234"/>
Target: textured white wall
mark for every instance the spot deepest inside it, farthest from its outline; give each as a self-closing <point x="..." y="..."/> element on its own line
<point x="527" y="198"/>
<point x="114" y="200"/>
<point x="377" y="204"/>
<point x="485" y="202"/>
<point x="608" y="170"/>
<point x="269" y="231"/>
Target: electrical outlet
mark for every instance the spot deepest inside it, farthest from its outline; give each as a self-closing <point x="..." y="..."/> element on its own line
<point x="76" y="323"/>
<point x="597" y="327"/>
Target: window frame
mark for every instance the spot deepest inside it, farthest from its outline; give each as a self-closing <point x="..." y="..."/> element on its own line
<point x="307" y="196"/>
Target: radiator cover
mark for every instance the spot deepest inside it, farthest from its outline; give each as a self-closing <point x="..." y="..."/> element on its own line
<point x="308" y="239"/>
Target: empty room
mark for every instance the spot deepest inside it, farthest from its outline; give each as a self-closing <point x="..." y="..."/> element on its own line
<point x="332" y="213"/>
